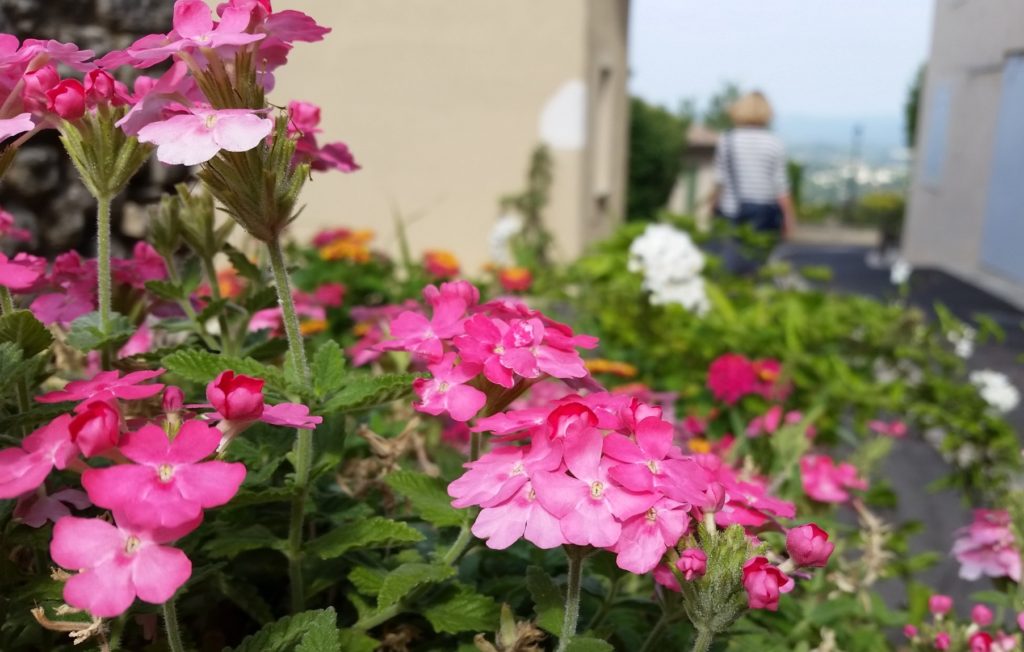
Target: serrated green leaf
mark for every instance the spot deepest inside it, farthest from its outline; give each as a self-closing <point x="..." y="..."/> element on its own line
<point x="231" y="542"/>
<point x="246" y="597"/>
<point x="203" y="366"/>
<point x="366" y="391"/>
<point x="248" y="498"/>
<point x="462" y="609"/>
<point x="407" y="577"/>
<point x="585" y="644"/>
<point x="23" y="329"/>
<point x="165" y="290"/>
<point x="371" y="533"/>
<point x="87" y="333"/>
<point x="547" y="600"/>
<point x="328" y="369"/>
<point x="367" y="580"/>
<point x="428" y="497"/>
<point x="242" y="264"/>
<point x="353" y="641"/>
<point x="291" y="633"/>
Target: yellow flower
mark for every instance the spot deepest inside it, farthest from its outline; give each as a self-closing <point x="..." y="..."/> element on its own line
<point x="313" y="326"/>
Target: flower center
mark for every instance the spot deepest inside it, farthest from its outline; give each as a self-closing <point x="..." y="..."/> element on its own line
<point x="653" y="466"/>
<point x="499" y="350"/>
<point x="652" y="515"/>
<point x="443" y="386"/>
<point x="211" y="119"/>
<point x="517" y="468"/>
<point x="596" y="489"/>
<point x="165" y="472"/>
<point x="132" y="544"/>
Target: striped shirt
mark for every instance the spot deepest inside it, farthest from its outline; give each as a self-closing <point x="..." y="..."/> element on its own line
<point x="758" y="162"/>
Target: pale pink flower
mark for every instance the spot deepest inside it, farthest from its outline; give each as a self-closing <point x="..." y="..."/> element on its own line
<point x="169" y="484"/>
<point x="764" y="583"/>
<point x="107" y="385"/>
<point x="499" y="474"/>
<point x="828" y="482"/>
<point x="643" y="454"/>
<point x="116" y="563"/>
<point x="987" y="547"/>
<point x="521" y="516"/>
<point x="416" y="334"/>
<point x="25" y="468"/>
<point x="15" y="275"/>
<point x="446" y="390"/>
<point x="196" y="137"/>
<point x="646" y="536"/>
<point x="19" y="124"/>
<point x="767" y="423"/>
<point x="140" y="342"/>
<point x="35" y="508"/>
<point x="290" y="415"/>
<point x="8" y="229"/>
<point x="808" y="545"/>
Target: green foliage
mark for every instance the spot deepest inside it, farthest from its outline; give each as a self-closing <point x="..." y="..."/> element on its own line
<point x="87" y="333"/>
<point x="427" y="496"/>
<point x="23" y="330"/>
<point x="309" y="631"/>
<point x="548" y="601"/>
<point x="401" y="581"/>
<point x="373" y="532"/>
<point x="203" y="366"/>
<point x="362" y="391"/>
<point x="656" y="141"/>
<point x="461" y="609"/>
<point x="584" y="644"/>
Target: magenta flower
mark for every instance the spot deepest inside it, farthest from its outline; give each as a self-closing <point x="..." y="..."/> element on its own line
<point x="236" y="397"/>
<point x="169" y="484"/>
<point x="895" y="429"/>
<point x="987" y="547"/>
<point x="107" y="385"/>
<point x="303" y="124"/>
<point x="24" y="469"/>
<point x="8" y="229"/>
<point x="827" y="482"/>
<point x="808" y="545"/>
<point x="96" y="427"/>
<point x="483" y="344"/>
<point x="521" y="516"/>
<point x="290" y="415"/>
<point x="731" y="377"/>
<point x="767" y="423"/>
<point x="942" y="641"/>
<point x="643" y="456"/>
<point x="692" y="563"/>
<point x="144" y="265"/>
<point x="35" y="508"/>
<point x="981" y="615"/>
<point x="116" y="563"/>
<point x="646" y="536"/>
<point x="499" y="474"/>
<point x="416" y="334"/>
<point x="982" y="642"/>
<point x="67" y="99"/>
<point x="196" y="137"/>
<point x="15" y="275"/>
<point x="763" y="583"/>
<point x="446" y="390"/>
<point x="939" y="604"/>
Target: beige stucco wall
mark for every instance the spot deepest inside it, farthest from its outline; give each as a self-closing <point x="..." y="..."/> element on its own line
<point x="970" y="41"/>
<point x="440" y="101"/>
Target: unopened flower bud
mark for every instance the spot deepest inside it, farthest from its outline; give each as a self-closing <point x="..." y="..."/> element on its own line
<point x="808" y="545"/>
<point x="942" y="641"/>
<point x="981" y="615"/>
<point x="939" y="604"/>
<point x="692" y="563"/>
<point x="174" y="399"/>
<point x="236" y="397"/>
<point x="764" y="583"/>
<point x="67" y="99"/>
<point x="97" y="428"/>
<point x="909" y="631"/>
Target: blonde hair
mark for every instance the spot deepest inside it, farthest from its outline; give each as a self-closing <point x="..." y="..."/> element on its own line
<point x="751" y="110"/>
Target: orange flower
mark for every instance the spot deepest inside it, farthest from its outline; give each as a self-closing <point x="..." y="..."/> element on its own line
<point x="228" y="283"/>
<point x="313" y="326"/>
<point x="602" y="366"/>
<point x="440" y="264"/>
<point x="699" y="445"/>
<point x="515" y="279"/>
<point x="348" y="245"/>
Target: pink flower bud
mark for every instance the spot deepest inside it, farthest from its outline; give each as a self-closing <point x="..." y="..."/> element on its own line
<point x="980" y="642"/>
<point x="715" y="493"/>
<point x="763" y="583"/>
<point x="99" y="86"/>
<point x="1020" y="620"/>
<point x="981" y="615"/>
<point x="174" y="399"/>
<point x="692" y="563"/>
<point x="37" y="83"/>
<point x="808" y="545"/>
<point x="67" y="99"/>
<point x="909" y="631"/>
<point x="942" y="641"/>
<point x="939" y="604"/>
<point x="97" y="428"/>
<point x="236" y="397"/>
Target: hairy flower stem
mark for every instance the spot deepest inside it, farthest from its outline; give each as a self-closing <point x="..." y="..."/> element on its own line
<point x="21" y="386"/>
<point x="303" y="449"/>
<point x="703" y="640"/>
<point x="6" y="301"/>
<point x="103" y="271"/>
<point x="226" y="339"/>
<point x="576" y="555"/>
<point x="171" y="625"/>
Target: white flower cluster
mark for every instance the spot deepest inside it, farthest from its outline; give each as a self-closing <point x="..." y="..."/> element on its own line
<point x="508" y="226"/>
<point x="996" y="389"/>
<point x="963" y="341"/>
<point x="900" y="272"/>
<point x="671" y="266"/>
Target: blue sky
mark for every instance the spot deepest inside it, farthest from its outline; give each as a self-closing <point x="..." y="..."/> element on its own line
<point x="829" y="59"/>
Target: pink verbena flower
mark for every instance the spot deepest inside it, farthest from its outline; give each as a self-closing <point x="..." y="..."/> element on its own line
<point x="196" y="137"/>
<point x="19" y="124"/>
<point x="981" y="642"/>
<point x="642" y="454"/>
<point x="982" y="615"/>
<point x="767" y="423"/>
<point x="731" y="377"/>
<point x="107" y="385"/>
<point x="37" y="507"/>
<point x="693" y="562"/>
<point x="169" y="484"/>
<point x="303" y="124"/>
<point x="67" y="99"/>
<point x="96" y="427"/>
<point x="424" y="337"/>
<point x="942" y="641"/>
<point x="827" y="482"/>
<point x="25" y="468"/>
<point x="15" y="275"/>
<point x="117" y="563"/>
<point x="939" y="604"/>
<point x="290" y="415"/>
<point x="646" y="536"/>
<point x="895" y="429"/>
<point x="236" y="397"/>
<point x="144" y="265"/>
<point x="521" y="516"/>
<point x="764" y="583"/>
<point x="987" y="547"/>
<point x="808" y="545"/>
<point x="446" y="391"/>
<point x="8" y="229"/>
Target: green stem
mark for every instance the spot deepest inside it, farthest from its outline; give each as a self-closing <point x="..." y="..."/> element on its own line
<point x="475" y="444"/>
<point x="303" y="450"/>
<point x="103" y="260"/>
<point x="656" y="634"/>
<point x="186" y="306"/>
<point x="703" y="640"/>
<point x="171" y="624"/>
<point x="226" y="339"/>
<point x="6" y="301"/>
<point x="459" y="546"/>
<point x="576" y="556"/>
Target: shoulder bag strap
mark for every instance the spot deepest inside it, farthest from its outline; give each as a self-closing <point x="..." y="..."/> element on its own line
<point x="734" y="178"/>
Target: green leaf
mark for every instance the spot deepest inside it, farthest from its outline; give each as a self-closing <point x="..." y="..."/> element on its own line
<point x="401" y="581"/>
<point x="246" y="597"/>
<point x="462" y="610"/>
<point x="203" y="366"/>
<point x="87" y="333"/>
<point x="367" y="580"/>
<point x="22" y="328"/>
<point x="242" y="264"/>
<point x="373" y="532"/>
<point x="584" y="644"/>
<point x="165" y="290"/>
<point x="367" y="391"/>
<point x="309" y="631"/>
<point x="328" y="369"/>
<point x="231" y="542"/>
<point x="353" y="641"/>
<point x="547" y="600"/>
<point x="428" y="497"/>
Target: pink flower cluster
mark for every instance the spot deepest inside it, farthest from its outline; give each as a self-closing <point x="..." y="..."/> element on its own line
<point x="733" y="376"/>
<point x="944" y="633"/>
<point x="827" y="482"/>
<point x="472" y="350"/>
<point x="161" y="480"/>
<point x="987" y="547"/>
